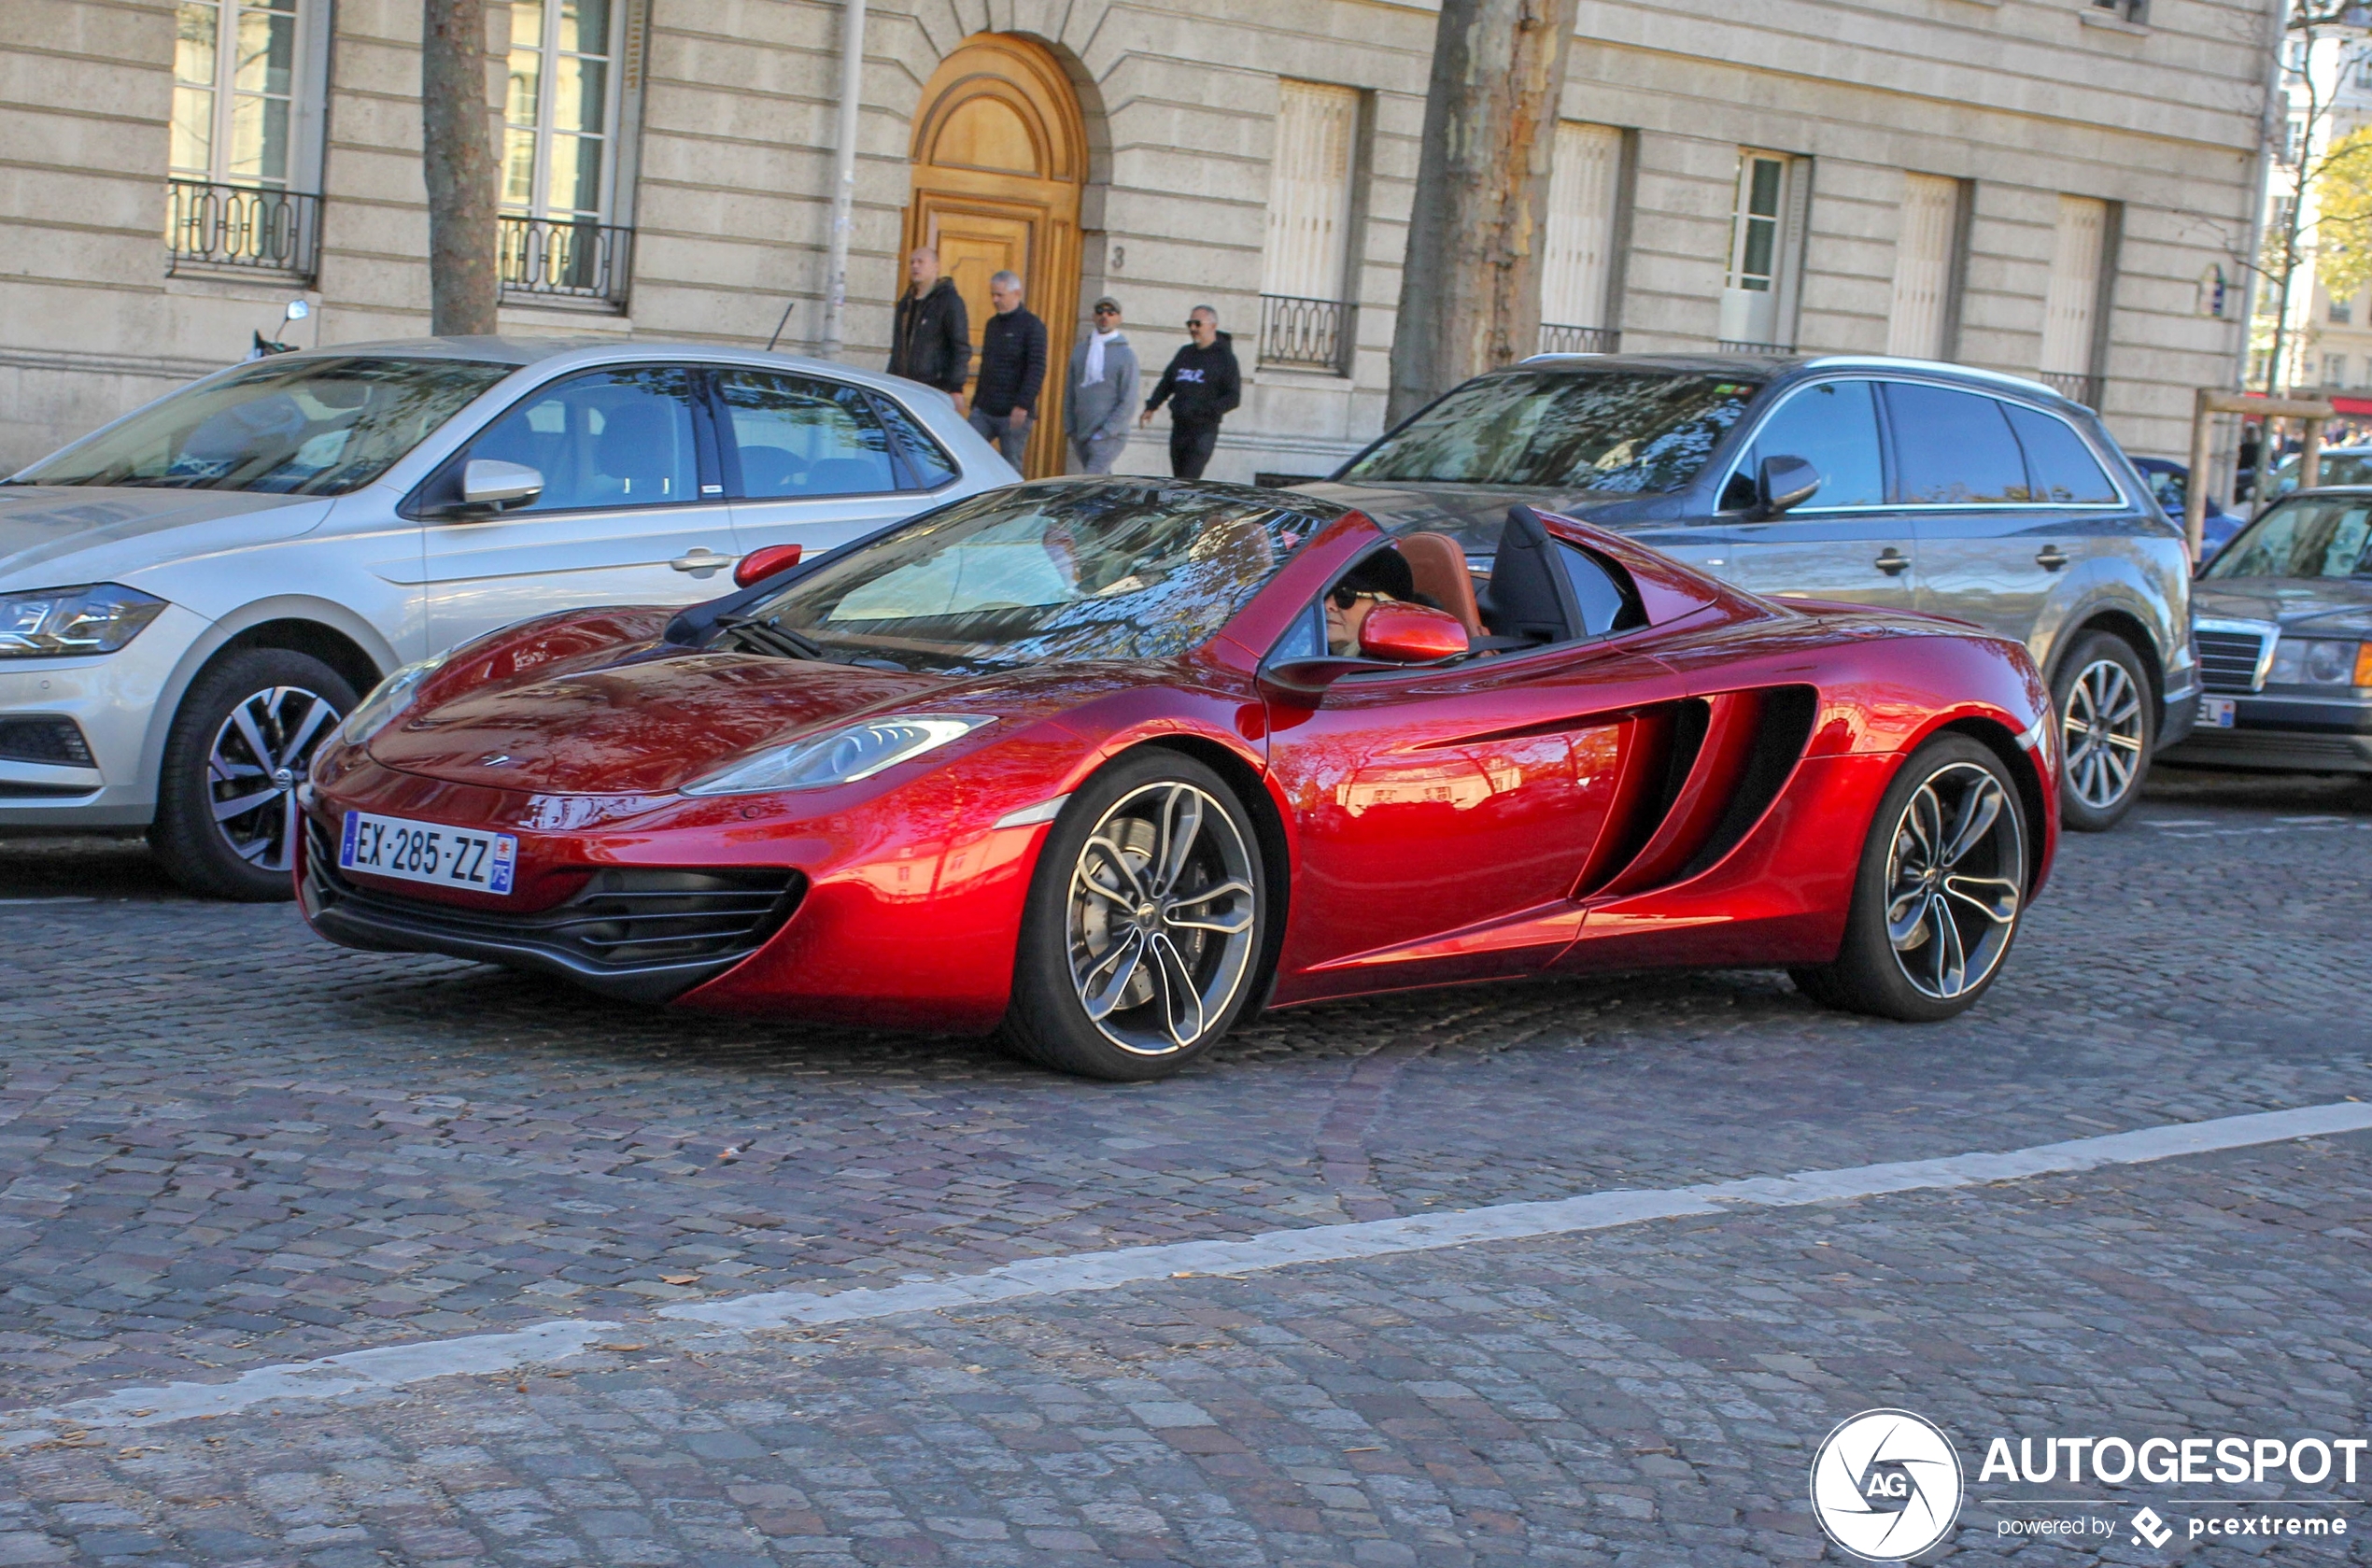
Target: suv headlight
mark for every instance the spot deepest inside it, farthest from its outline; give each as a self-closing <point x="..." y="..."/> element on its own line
<point x="387" y="699"/>
<point x="2316" y="662"/>
<point x="93" y="619"/>
<point x="839" y="756"/>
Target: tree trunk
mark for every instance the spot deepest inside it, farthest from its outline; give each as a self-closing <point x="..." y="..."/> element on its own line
<point x="457" y="124"/>
<point x="1470" y="288"/>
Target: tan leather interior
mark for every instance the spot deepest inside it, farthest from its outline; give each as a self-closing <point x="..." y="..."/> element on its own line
<point x="1439" y="567"/>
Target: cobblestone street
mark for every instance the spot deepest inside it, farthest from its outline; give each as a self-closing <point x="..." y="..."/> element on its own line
<point x="226" y="1146"/>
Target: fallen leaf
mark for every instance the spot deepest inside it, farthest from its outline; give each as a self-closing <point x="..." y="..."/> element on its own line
<point x="681" y="1278"/>
<point x="621" y="1348"/>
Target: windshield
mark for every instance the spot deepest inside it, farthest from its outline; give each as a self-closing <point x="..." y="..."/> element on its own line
<point x="1117" y="569"/>
<point x="1624" y="431"/>
<point x="2306" y="538"/>
<point x="2337" y="468"/>
<point x="316" y="427"/>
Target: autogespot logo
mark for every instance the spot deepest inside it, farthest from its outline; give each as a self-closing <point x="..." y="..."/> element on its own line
<point x="1887" y="1485"/>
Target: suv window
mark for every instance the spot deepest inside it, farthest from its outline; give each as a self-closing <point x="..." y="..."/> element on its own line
<point x="1953" y="448"/>
<point x="798" y="436"/>
<point x="2059" y="466"/>
<point x="1831" y="425"/>
<point x="611" y="438"/>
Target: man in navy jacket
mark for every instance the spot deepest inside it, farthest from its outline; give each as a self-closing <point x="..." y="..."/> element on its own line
<point x="1200" y="386"/>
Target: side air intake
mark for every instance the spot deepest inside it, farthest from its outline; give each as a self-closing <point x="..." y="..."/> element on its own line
<point x="1696" y="776"/>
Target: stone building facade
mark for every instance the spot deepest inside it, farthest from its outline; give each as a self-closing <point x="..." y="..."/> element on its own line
<point x="2028" y="185"/>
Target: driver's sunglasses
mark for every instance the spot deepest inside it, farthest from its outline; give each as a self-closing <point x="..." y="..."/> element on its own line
<point x="1343" y="598"/>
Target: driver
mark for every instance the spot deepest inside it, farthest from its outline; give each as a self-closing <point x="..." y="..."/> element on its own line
<point x="1383" y="577"/>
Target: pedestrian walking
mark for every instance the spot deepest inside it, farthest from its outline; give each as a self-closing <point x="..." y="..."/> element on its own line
<point x="1012" y="369"/>
<point x="1103" y="389"/>
<point x="1202" y="386"/>
<point x="931" y="339"/>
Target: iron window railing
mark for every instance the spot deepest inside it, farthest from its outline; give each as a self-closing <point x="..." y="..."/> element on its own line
<point x="565" y="258"/>
<point x="246" y="227"/>
<point x="2074" y="386"/>
<point x="1305" y="334"/>
<point x="1555" y="338"/>
<point x="1742" y="346"/>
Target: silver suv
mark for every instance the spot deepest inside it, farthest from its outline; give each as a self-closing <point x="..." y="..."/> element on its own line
<point x="191" y="598"/>
<point x="1894" y="483"/>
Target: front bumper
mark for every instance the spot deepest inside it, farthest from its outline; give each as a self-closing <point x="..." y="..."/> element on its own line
<point x="116" y="700"/>
<point x="2325" y="735"/>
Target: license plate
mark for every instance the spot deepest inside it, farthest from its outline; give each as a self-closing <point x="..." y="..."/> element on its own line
<point x="2216" y="712"/>
<point x="429" y="852"/>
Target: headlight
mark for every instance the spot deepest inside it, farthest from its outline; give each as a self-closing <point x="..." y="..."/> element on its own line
<point x="388" y="698"/>
<point x="94" y="618"/>
<point x="839" y="756"/>
<point x="2308" y="661"/>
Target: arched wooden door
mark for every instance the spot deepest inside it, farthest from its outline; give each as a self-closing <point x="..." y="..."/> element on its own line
<point x="1000" y="155"/>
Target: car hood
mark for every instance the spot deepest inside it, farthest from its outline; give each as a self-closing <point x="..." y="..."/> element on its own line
<point x="2301" y="606"/>
<point x="56" y="535"/>
<point x="1473" y="515"/>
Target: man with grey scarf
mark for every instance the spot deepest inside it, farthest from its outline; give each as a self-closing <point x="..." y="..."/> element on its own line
<point x="1103" y="390"/>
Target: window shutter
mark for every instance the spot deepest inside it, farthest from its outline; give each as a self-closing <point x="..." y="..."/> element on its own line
<point x="2067" y="311"/>
<point x="1578" y="256"/>
<point x="1923" y="266"/>
<point x="1310" y="191"/>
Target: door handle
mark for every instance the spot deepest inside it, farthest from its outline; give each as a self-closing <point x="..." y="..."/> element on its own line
<point x="1891" y="561"/>
<point x="702" y="561"/>
<point x="2051" y="557"/>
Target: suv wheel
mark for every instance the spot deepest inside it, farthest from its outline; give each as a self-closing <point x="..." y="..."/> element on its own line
<point x="2102" y="697"/>
<point x="227" y="819"/>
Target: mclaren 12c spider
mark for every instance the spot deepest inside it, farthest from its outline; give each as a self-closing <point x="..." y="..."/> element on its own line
<point x="1103" y="764"/>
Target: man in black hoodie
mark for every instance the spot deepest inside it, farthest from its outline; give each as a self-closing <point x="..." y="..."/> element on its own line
<point x="932" y="339"/>
<point x="1200" y="386"/>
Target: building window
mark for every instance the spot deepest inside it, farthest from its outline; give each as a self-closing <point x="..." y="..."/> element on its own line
<point x="1305" y="318"/>
<point x="1581" y="272"/>
<point x="2335" y="370"/>
<point x="245" y="157"/>
<point x="2127" y="10"/>
<point x="1766" y="252"/>
<point x="561" y="234"/>
<point x="1927" y="269"/>
<point x="2342" y="311"/>
<point x="2075" y="311"/>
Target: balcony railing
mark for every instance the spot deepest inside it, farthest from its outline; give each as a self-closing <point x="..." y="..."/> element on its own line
<point x="1558" y="339"/>
<point x="2074" y="386"/>
<point x="243" y="228"/>
<point x="1743" y="346"/>
<point x="565" y="259"/>
<point x="1305" y="334"/>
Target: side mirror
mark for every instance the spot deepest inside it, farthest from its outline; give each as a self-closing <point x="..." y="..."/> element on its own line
<point x="760" y="564"/>
<point x="490" y="482"/>
<point x="1411" y="634"/>
<point x="1784" y="482"/>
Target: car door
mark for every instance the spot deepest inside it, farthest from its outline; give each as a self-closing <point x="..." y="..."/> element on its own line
<point x="632" y="511"/>
<point x="817" y="462"/>
<point x="1847" y="541"/>
<point x="1989" y="548"/>
<point x="1444" y="817"/>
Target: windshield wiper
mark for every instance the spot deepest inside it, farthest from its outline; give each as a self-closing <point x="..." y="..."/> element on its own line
<point x="765" y="637"/>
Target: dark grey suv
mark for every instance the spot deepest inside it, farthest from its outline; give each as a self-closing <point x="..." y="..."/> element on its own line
<point x="1885" y="482"/>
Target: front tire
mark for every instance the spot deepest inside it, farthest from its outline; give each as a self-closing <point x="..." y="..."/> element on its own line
<point x="1940" y="892"/>
<point x="1144" y="923"/>
<point x="2106" y="726"/>
<point x="227" y="819"/>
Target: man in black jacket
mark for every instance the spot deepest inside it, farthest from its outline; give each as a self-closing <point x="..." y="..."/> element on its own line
<point x="1012" y="369"/>
<point x="932" y="339"/>
<point x="1200" y="386"/>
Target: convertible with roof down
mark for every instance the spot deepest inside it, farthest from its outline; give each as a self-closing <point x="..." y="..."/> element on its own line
<point x="1106" y="763"/>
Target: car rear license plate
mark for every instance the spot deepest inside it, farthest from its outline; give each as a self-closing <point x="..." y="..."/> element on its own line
<point x="2216" y="712"/>
<point x="429" y="852"/>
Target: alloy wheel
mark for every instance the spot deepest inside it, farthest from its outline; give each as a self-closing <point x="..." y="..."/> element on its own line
<point x="1161" y="917"/>
<point x="1956" y="880"/>
<point x="260" y="756"/>
<point x="2104" y="734"/>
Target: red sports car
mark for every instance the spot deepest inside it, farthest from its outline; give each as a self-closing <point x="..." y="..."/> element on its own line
<point x="1104" y="763"/>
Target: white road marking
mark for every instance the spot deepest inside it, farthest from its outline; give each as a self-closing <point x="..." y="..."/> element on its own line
<point x="396" y="1366"/>
<point x="62" y="898"/>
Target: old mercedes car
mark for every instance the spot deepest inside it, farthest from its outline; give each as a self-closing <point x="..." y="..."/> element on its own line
<point x="1894" y="484"/>
<point x="1104" y="763"/>
<point x="2283" y="617"/>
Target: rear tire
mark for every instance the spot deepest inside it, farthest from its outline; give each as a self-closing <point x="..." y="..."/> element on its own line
<point x="2108" y="724"/>
<point x="1940" y="893"/>
<point x="1142" y="934"/>
<point x="241" y="744"/>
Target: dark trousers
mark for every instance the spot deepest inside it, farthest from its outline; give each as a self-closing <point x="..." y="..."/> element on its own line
<point x="1190" y="447"/>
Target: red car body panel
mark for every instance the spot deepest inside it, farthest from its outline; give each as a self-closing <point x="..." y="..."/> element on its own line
<point x="1693" y="792"/>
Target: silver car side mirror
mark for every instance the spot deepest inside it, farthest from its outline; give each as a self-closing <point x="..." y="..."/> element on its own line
<point x="493" y="483"/>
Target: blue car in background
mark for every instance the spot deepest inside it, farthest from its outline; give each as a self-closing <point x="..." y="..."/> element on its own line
<point x="2170" y="483"/>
